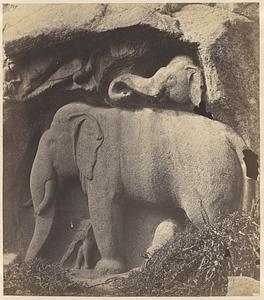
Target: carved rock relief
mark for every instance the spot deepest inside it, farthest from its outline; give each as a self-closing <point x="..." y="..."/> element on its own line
<point x="106" y="69"/>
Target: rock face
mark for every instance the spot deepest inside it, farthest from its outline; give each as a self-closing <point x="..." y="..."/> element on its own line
<point x="230" y="69"/>
<point x="243" y="286"/>
<point x="59" y="23"/>
<point x="228" y="48"/>
<point x="74" y="51"/>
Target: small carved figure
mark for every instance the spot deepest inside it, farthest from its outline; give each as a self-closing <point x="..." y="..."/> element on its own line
<point x="11" y="80"/>
<point x="84" y="253"/>
<point x="180" y="83"/>
<point x="165" y="158"/>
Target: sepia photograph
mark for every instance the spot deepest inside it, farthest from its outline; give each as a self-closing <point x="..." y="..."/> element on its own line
<point x="131" y="149"/>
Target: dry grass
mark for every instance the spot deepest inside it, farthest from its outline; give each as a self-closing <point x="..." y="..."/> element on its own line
<point x="198" y="262"/>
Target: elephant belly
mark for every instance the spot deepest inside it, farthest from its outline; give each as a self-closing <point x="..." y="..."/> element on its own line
<point x="145" y="181"/>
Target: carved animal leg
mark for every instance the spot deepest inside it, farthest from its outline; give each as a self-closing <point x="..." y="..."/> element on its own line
<point x="206" y="208"/>
<point x="84" y="253"/>
<point x="88" y="245"/>
<point x="79" y="258"/>
<point x="50" y="189"/>
<point x="43" y="197"/>
<point x="106" y="214"/>
<point x="164" y="232"/>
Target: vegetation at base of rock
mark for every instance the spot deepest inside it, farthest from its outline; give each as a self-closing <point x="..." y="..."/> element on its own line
<point x="198" y="262"/>
<point x="39" y="278"/>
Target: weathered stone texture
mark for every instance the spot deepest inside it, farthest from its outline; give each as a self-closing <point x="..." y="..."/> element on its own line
<point x="226" y="34"/>
<point x="156" y="159"/>
<point x="56" y="23"/>
<point x="50" y="43"/>
<point x="250" y="10"/>
<point x="243" y="286"/>
<point x="226" y="44"/>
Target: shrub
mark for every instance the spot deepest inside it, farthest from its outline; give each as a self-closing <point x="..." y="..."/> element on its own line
<point x="198" y="262"/>
<point x="38" y="278"/>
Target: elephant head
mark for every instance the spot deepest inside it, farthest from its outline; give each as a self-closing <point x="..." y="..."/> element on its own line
<point x="180" y="82"/>
<point x="87" y="137"/>
<point x="68" y="149"/>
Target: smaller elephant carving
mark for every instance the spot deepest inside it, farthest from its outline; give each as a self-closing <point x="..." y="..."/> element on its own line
<point x="61" y="154"/>
<point x="85" y="235"/>
<point x="85" y="251"/>
<point x="179" y="83"/>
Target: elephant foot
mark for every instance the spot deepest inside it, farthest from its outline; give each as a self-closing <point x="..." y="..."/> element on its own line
<point x="109" y="266"/>
<point x="76" y="267"/>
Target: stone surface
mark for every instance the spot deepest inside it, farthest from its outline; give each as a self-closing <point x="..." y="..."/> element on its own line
<point x="250" y="10"/>
<point x="228" y="49"/>
<point x="243" y="286"/>
<point x="9" y="258"/>
<point x="225" y="47"/>
<point x="100" y="285"/>
<point x="188" y="148"/>
<point x="222" y="39"/>
<point x="56" y="22"/>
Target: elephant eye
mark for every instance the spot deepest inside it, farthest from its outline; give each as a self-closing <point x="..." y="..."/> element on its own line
<point x="172" y="78"/>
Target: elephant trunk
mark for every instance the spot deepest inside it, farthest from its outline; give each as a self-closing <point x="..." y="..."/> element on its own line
<point x="124" y="86"/>
<point x="42" y="230"/>
<point x="180" y="83"/>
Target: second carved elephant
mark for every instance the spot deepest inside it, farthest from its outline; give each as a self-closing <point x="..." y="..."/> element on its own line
<point x="180" y="84"/>
<point x="163" y="158"/>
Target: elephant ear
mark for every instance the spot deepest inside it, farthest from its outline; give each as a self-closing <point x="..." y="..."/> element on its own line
<point x="196" y="83"/>
<point x="87" y="137"/>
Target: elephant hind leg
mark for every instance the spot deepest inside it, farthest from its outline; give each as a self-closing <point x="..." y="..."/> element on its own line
<point x="195" y="210"/>
<point x="204" y="211"/>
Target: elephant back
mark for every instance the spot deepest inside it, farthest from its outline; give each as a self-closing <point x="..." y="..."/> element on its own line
<point x="60" y="119"/>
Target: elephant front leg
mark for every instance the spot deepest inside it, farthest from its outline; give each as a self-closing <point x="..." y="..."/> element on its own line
<point x="106" y="213"/>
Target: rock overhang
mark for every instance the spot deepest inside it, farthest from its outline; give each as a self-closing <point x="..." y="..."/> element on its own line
<point x="55" y="23"/>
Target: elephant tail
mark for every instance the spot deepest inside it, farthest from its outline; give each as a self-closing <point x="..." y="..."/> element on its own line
<point x="43" y="225"/>
<point x="249" y="164"/>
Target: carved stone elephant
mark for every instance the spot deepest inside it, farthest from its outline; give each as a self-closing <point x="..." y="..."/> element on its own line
<point x="160" y="158"/>
<point x="180" y="83"/>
